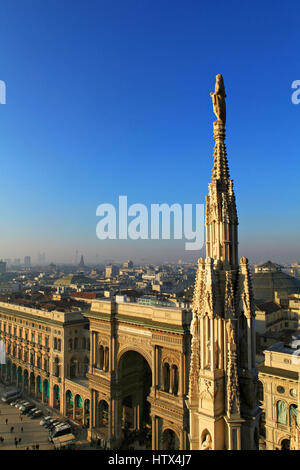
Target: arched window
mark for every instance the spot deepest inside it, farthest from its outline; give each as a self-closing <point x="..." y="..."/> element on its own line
<point x="101" y="357"/>
<point x="70" y="344"/>
<point x="103" y="413"/>
<point x="281" y="412"/>
<point x="106" y="359"/>
<point x="174" y="380"/>
<point x="166" y="377"/>
<point x="83" y="343"/>
<point x="55" y="343"/>
<point x="293" y="412"/>
<point x="56" y="367"/>
<point x="75" y="343"/>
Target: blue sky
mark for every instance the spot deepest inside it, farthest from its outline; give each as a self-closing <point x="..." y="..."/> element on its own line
<point x="109" y="98"/>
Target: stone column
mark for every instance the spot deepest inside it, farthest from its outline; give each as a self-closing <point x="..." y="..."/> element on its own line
<point x="212" y="344"/>
<point x="83" y="412"/>
<point x="94" y="349"/>
<point x="110" y="421"/>
<point x="181" y="374"/>
<point x="51" y="393"/>
<point x="91" y="423"/>
<point x="116" y="418"/>
<point x="172" y="378"/>
<point x="154" y="372"/>
<point x="202" y="345"/>
<point x="74" y="406"/>
<point x="154" y="432"/>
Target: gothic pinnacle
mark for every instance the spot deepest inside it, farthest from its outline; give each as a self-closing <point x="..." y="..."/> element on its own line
<point x="220" y="169"/>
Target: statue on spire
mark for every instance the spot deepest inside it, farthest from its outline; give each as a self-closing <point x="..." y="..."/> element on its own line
<point x="218" y="99"/>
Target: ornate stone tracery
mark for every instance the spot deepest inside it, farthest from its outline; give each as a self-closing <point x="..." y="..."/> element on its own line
<point x="221" y="343"/>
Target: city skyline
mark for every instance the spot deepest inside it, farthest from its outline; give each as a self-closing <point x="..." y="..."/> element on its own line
<point x="118" y="103"/>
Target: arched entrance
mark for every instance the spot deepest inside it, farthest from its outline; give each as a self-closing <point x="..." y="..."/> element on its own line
<point x="32" y="384"/>
<point x="103" y="414"/>
<point x="69" y="404"/>
<point x="135" y="380"/>
<point x="56" y="397"/>
<point x="170" y="440"/>
<point x="87" y="412"/>
<point x="46" y="391"/>
<point x="20" y="377"/>
<point x="39" y="387"/>
<point x="285" y="444"/>
<point x="26" y="381"/>
<point x="78" y="409"/>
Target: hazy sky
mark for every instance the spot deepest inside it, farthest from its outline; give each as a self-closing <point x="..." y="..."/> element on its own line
<point x="109" y="98"/>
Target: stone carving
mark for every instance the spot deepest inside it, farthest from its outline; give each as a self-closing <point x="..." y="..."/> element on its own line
<point x="230" y="332"/>
<point x="222" y="293"/>
<point x="195" y="366"/>
<point x="170" y="358"/>
<point x="207" y="389"/>
<point x="232" y="389"/>
<point x="218" y="99"/>
<point x="294" y="444"/>
<point x="229" y="297"/>
<point x="103" y="342"/>
<point x="206" y="443"/>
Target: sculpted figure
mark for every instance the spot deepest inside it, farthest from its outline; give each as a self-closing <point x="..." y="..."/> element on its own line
<point x="230" y="332"/>
<point x="218" y="99"/>
<point x="206" y="444"/>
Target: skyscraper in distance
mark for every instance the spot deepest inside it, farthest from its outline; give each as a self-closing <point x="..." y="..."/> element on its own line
<point x="27" y="262"/>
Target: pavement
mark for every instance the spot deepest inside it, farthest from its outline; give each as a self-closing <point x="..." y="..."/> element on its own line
<point x="33" y="433"/>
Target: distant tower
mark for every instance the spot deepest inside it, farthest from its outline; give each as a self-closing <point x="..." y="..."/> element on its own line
<point x="222" y="390"/>
<point x="2" y="267"/>
<point x="76" y="258"/>
<point x="81" y="263"/>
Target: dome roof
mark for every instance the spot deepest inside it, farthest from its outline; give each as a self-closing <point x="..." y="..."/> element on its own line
<point x="266" y="283"/>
